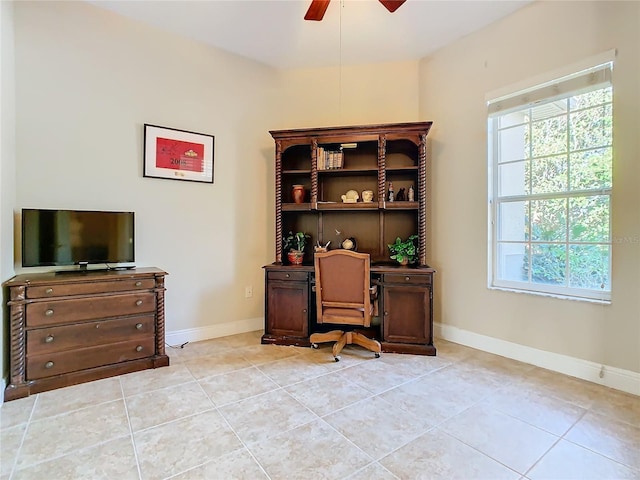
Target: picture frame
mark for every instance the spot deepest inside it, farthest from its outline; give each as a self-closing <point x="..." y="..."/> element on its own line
<point x="175" y="154"/>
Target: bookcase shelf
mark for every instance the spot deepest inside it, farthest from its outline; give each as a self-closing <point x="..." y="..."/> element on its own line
<point x="367" y="157"/>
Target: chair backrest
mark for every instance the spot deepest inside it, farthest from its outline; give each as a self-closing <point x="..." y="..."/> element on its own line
<point x="342" y="287"/>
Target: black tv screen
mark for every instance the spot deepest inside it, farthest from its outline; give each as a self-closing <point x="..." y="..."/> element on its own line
<point x="72" y="237"/>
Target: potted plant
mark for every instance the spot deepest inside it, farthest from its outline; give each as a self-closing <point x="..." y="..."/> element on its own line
<point x="294" y="245"/>
<point x="406" y="251"/>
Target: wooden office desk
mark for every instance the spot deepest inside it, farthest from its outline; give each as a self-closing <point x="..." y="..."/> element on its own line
<point x="405" y="296"/>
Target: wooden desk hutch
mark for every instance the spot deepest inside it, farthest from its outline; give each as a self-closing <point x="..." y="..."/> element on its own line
<point x="368" y="158"/>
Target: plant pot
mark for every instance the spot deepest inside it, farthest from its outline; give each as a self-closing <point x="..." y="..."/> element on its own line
<point x="404" y="262"/>
<point x="295" y="257"/>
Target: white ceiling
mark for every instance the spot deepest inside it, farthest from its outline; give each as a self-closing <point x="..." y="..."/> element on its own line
<point x="352" y="31"/>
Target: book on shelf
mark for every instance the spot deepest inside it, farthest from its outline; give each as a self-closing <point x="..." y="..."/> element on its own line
<point x="329" y="159"/>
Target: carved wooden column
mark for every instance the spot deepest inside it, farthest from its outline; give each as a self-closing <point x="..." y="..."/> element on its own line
<point x="160" y="315"/>
<point x="314" y="174"/>
<point x="17" y="360"/>
<point x="422" y="199"/>
<point x="278" y="201"/>
<point x="382" y="174"/>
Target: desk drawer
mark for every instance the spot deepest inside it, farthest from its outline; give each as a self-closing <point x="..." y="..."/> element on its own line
<point x="73" y="310"/>
<point x="409" y="279"/>
<point x="48" y="365"/>
<point x="56" y="339"/>
<point x="296" y="276"/>
<point x="86" y="288"/>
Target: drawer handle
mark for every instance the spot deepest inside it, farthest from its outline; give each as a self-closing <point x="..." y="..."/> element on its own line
<point x="139" y="348"/>
<point x="48" y="365"/>
<point x="49" y="291"/>
<point x="138" y="284"/>
<point x="138" y="326"/>
<point x="287" y="275"/>
<point x="407" y="278"/>
<point x="48" y="339"/>
<point x="138" y="302"/>
<point x="49" y="312"/>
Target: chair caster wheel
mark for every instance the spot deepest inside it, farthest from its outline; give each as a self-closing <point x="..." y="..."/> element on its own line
<point x="314" y="346"/>
<point x="377" y="354"/>
<point x="337" y="359"/>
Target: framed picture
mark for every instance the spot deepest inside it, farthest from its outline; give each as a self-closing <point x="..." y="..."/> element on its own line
<point x="177" y="154"/>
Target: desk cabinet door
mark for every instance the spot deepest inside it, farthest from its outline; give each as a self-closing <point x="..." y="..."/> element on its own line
<point x="407" y="314"/>
<point x="287" y="309"/>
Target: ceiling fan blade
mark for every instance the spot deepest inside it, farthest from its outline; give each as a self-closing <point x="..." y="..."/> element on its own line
<point x="316" y="10"/>
<point x="392" y="5"/>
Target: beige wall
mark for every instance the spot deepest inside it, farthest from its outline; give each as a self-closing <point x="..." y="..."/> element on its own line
<point x="541" y="37"/>
<point x="351" y="95"/>
<point x="7" y="160"/>
<point x="87" y="80"/>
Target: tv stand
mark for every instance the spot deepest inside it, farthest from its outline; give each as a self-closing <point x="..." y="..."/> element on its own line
<point x="83" y="326"/>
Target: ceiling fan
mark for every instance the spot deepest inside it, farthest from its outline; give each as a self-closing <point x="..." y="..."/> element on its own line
<point x="318" y="7"/>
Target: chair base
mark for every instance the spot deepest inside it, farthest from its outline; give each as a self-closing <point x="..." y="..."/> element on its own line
<point x="346" y="338"/>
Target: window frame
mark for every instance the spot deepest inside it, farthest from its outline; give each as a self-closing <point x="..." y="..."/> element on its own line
<point x="562" y="87"/>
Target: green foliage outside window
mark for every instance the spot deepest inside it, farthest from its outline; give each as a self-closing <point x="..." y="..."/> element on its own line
<point x="571" y="156"/>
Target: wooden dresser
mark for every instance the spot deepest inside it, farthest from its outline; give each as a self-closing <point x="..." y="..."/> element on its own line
<point x="70" y="328"/>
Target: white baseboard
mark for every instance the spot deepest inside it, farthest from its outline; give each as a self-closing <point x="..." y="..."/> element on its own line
<point x="179" y="337"/>
<point x="625" y="380"/>
<point x="3" y="385"/>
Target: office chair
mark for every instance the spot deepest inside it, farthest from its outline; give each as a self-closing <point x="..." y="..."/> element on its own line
<point x="344" y="297"/>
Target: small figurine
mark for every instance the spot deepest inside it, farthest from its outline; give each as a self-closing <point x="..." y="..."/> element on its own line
<point x="391" y="197"/>
<point x="350" y="197"/>
<point x="400" y="195"/>
<point x="411" y="197"/>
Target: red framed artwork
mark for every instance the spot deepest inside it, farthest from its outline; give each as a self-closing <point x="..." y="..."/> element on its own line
<point x="177" y="154"/>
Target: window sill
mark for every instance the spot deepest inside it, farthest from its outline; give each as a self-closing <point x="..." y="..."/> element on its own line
<point x="551" y="295"/>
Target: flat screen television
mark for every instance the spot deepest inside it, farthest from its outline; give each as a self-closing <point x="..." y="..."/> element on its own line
<point x="76" y="237"/>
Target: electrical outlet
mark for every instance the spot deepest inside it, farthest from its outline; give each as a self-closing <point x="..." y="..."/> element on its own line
<point x="248" y="292"/>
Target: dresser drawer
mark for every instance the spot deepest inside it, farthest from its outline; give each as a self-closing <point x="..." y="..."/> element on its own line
<point x="48" y="365"/>
<point x="409" y="279"/>
<point x="86" y="288"/>
<point x="56" y="339"/>
<point x="298" y="276"/>
<point x="78" y="309"/>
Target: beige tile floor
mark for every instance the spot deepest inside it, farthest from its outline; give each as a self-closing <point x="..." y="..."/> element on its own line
<point x="232" y="408"/>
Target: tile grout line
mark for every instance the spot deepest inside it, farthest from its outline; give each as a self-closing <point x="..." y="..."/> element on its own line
<point x="244" y="445"/>
<point x="131" y="436"/>
<point x="24" y="436"/>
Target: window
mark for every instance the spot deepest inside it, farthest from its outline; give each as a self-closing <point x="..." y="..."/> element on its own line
<point x="550" y="164"/>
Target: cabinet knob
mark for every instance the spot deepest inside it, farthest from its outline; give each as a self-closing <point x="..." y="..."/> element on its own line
<point x="139" y="348"/>
<point x="386" y="314"/>
<point x="304" y="310"/>
<point x="407" y="278"/>
<point x="49" y="312"/>
<point x="49" y="291"/>
<point x="48" y="339"/>
<point x="138" y="302"/>
<point x="287" y="275"/>
<point x="48" y="365"/>
<point x="138" y="284"/>
<point x="139" y="326"/>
